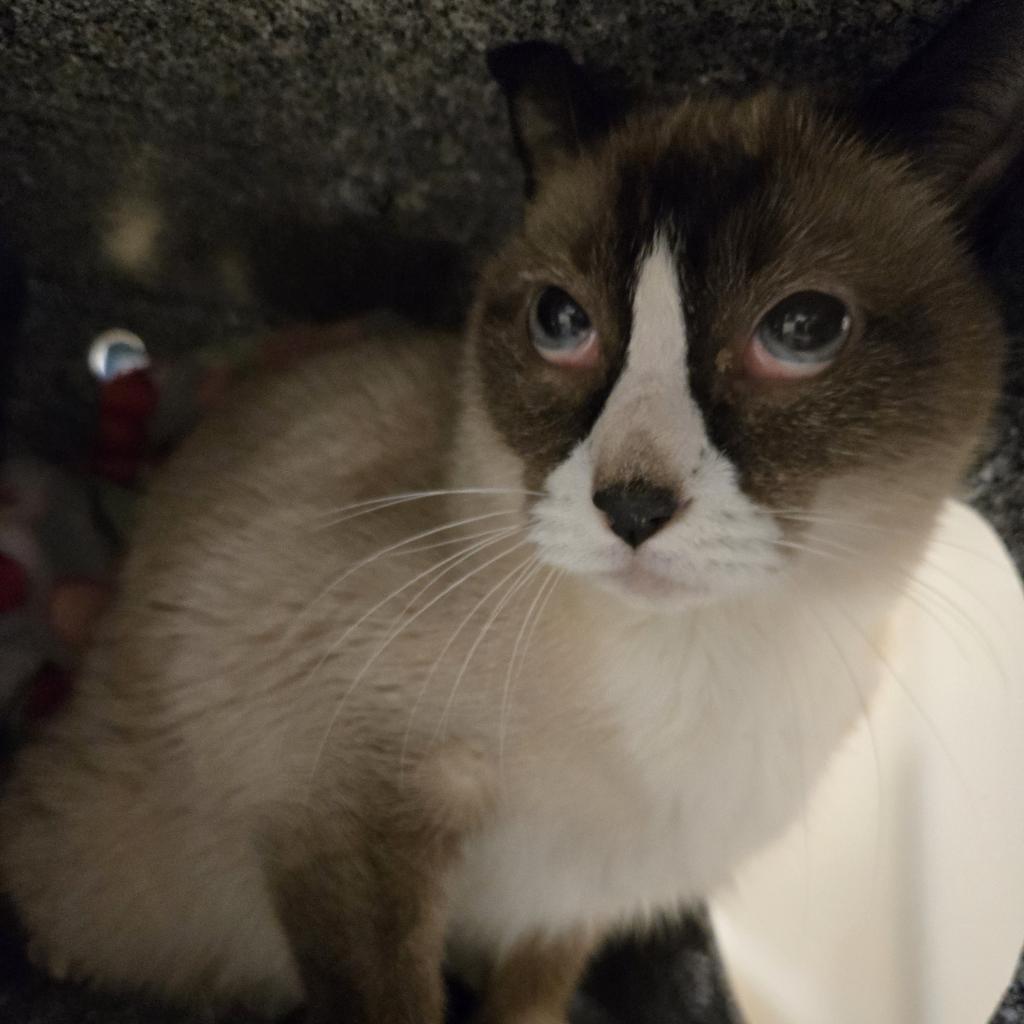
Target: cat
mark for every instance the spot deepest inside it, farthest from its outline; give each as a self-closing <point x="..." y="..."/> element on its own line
<point x="436" y="653"/>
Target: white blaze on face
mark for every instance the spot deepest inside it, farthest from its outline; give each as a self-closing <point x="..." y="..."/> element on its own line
<point x="659" y="327"/>
<point x="651" y="404"/>
<point x="651" y="427"/>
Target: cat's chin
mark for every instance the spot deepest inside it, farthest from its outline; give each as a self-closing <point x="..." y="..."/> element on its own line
<point x="645" y="588"/>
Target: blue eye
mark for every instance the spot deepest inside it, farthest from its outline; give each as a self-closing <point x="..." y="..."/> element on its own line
<point x="558" y="323"/>
<point x="808" y="328"/>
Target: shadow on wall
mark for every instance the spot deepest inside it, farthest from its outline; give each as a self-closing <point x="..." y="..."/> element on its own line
<point x="184" y="286"/>
<point x="281" y="261"/>
<point x="301" y="270"/>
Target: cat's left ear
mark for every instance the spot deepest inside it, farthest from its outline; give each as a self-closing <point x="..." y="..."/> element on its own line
<point x="557" y="107"/>
<point x="958" y="106"/>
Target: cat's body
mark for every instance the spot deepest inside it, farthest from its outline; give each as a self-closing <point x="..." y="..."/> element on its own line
<point x="310" y="758"/>
<point x="637" y="766"/>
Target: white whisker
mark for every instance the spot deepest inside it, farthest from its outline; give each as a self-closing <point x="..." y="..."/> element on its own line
<point x="370" y="559"/>
<point x="380" y="650"/>
<point x="359" y="508"/>
<point x="801" y="517"/>
<point x="534" y="612"/>
<point x="964" y="618"/>
<point x="397" y="622"/>
<point x="918" y="708"/>
<point x="457" y="540"/>
<point x="437" y="663"/>
<point x="523" y="571"/>
<point x="445" y="565"/>
<point x="835" y="556"/>
<point x="865" y="711"/>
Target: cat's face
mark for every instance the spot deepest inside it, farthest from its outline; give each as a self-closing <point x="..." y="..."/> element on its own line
<point x="729" y="337"/>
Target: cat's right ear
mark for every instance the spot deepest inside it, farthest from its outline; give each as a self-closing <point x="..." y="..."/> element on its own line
<point x="957" y="107"/>
<point x="556" y="106"/>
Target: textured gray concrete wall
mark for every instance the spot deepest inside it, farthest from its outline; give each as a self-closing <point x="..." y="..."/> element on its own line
<point x="329" y="108"/>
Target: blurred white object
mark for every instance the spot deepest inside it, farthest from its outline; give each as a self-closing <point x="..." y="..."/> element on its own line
<point x="116" y="352"/>
<point x="899" y="898"/>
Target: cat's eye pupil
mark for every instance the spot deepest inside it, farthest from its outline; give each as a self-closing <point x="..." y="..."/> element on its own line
<point x="806" y="327"/>
<point x="558" y="323"/>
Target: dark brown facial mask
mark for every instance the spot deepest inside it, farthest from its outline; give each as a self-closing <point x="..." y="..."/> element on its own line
<point x="757" y="200"/>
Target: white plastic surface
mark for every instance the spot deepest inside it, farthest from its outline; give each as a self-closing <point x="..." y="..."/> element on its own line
<point x="899" y="898"/>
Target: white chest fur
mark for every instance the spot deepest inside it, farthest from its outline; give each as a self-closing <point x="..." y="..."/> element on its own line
<point x="702" y="735"/>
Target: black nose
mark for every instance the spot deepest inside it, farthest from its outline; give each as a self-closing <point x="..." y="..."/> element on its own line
<point x="636" y="511"/>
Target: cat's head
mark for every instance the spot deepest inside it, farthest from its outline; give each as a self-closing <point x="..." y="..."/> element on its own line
<point x="734" y="335"/>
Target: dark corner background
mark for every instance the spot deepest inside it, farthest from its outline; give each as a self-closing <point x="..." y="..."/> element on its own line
<point x="197" y="169"/>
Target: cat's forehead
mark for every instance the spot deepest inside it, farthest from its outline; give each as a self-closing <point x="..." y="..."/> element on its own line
<point x="754" y="189"/>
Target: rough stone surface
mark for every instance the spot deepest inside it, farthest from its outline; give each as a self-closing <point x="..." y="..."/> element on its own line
<point x="194" y="169"/>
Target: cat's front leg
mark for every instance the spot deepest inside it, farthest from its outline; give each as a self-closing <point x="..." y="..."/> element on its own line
<point x="363" y="908"/>
<point x="535" y="981"/>
<point x="360" y="889"/>
<point x="368" y="942"/>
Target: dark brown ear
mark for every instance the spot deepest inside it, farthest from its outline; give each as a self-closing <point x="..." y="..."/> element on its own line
<point x="557" y="107"/>
<point x="958" y="105"/>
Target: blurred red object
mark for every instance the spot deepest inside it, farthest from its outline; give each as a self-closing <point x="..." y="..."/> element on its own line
<point x="49" y="690"/>
<point x="131" y="394"/>
<point x="13" y="584"/>
<point x="126" y="404"/>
